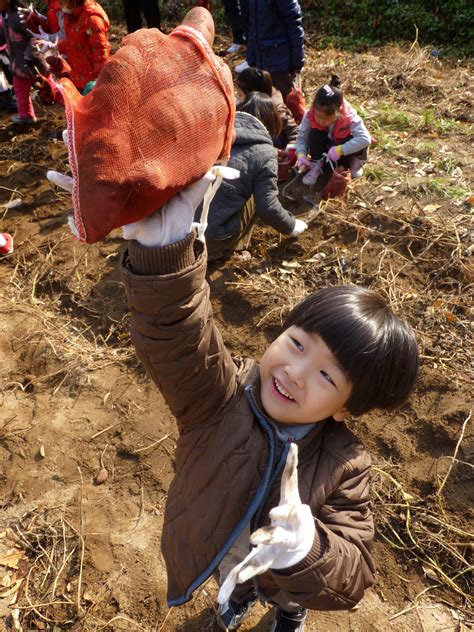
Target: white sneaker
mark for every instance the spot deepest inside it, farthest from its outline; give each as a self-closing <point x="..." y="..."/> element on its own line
<point x="243" y="66"/>
<point x="234" y="48"/>
<point x="312" y="175"/>
<point x="357" y="168"/>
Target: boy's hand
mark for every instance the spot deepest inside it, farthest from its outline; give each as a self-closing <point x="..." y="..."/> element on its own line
<point x="285" y="542"/>
<point x="174" y="220"/>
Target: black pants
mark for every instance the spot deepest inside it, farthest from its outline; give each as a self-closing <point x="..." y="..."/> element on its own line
<point x="237" y="13"/>
<point x="319" y="143"/>
<point x="133" y="18"/>
<point x="285" y="81"/>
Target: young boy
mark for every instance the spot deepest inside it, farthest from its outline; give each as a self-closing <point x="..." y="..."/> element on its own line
<point x="342" y="351"/>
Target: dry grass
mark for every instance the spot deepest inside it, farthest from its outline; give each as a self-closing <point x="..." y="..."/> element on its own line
<point x="71" y="331"/>
<point x="422" y="530"/>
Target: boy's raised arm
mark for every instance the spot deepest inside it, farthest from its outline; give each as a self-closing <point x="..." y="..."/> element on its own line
<point x="172" y="324"/>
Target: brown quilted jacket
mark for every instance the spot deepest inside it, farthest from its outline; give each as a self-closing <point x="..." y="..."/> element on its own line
<point x="228" y="457"/>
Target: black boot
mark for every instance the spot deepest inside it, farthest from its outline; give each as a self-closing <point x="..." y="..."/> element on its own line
<point x="7" y="102"/>
<point x="288" y="621"/>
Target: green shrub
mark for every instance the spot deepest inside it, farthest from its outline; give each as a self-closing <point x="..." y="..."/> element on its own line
<point x="440" y="22"/>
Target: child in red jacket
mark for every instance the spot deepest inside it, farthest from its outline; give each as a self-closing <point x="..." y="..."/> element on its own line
<point x="85" y="44"/>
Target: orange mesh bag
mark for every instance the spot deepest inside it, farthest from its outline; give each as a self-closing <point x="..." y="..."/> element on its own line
<point x="160" y="115"/>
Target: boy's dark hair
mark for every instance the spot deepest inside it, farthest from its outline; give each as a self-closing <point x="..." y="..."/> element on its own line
<point x="263" y="108"/>
<point x="329" y="97"/>
<point x="255" y="80"/>
<point x="375" y="348"/>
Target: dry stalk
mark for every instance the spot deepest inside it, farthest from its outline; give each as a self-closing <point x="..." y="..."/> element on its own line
<point x="413" y="526"/>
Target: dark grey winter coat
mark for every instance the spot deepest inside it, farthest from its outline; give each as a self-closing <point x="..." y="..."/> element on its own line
<point x="254" y="155"/>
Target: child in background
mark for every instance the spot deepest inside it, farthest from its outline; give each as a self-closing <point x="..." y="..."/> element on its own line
<point x="6" y="244"/>
<point x="236" y="12"/>
<point x="25" y="58"/>
<point x="85" y="45"/>
<point x="331" y="126"/>
<point x="276" y="42"/>
<point x="254" y="80"/>
<point x="49" y="27"/>
<point x="238" y="203"/>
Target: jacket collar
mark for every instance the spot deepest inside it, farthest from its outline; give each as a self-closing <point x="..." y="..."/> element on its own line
<point x="252" y="390"/>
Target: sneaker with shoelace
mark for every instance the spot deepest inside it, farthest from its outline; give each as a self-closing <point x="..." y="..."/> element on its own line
<point x="6" y="244"/>
<point x="311" y="176"/>
<point x="235" y="48"/>
<point x="231" y="615"/>
<point x="23" y="120"/>
<point x="357" y="168"/>
<point x="240" y="67"/>
<point x="288" y="621"/>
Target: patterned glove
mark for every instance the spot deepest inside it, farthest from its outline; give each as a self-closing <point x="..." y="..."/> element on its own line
<point x="303" y="163"/>
<point x="335" y="153"/>
<point x="284" y="543"/>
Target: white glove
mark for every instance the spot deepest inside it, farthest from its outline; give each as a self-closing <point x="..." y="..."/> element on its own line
<point x="284" y="543"/>
<point x="175" y="219"/>
<point x="299" y="228"/>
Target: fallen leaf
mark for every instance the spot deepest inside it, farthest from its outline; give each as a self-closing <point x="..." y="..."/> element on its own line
<point x="13" y="203"/>
<point x="431" y="208"/>
<point x="316" y="258"/>
<point x="11" y="558"/>
<point x="291" y="264"/>
<point x="429" y="572"/>
<point x="12" y="590"/>
<point x="450" y="317"/>
<point x="7" y="581"/>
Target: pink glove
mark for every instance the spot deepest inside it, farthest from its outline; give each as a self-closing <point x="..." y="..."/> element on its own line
<point x="303" y="163"/>
<point x="335" y="153"/>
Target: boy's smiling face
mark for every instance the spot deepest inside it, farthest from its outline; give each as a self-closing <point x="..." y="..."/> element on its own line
<point x="301" y="380"/>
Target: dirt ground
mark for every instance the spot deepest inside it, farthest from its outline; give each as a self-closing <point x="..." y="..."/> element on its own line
<point x="75" y="555"/>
